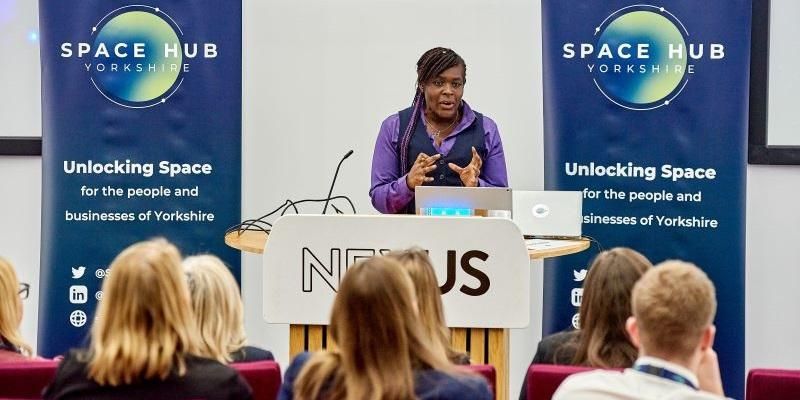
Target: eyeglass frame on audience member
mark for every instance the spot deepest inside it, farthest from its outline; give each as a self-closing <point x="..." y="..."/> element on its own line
<point x="24" y="290"/>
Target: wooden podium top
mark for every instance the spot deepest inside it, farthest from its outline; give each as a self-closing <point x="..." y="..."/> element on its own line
<point x="254" y="241"/>
<point x="249" y="241"/>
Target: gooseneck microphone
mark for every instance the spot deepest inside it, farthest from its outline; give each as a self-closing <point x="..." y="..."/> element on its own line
<point x="333" y="182"/>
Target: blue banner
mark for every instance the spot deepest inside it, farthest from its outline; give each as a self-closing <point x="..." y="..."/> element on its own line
<point x="645" y="112"/>
<point x="141" y="135"/>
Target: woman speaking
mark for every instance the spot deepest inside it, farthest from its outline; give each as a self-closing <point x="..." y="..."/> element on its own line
<point x="439" y="140"/>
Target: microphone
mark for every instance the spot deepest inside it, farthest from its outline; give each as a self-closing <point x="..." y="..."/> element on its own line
<point x="333" y="182"/>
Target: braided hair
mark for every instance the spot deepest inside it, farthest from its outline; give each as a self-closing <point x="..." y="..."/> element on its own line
<point x="432" y="63"/>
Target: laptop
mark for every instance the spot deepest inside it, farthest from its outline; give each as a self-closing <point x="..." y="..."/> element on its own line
<point x="548" y="214"/>
<point x="462" y="201"/>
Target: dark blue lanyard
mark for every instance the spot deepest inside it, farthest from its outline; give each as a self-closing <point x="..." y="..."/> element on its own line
<point x="664" y="373"/>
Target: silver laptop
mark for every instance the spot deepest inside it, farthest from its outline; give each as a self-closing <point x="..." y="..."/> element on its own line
<point x="460" y="201"/>
<point x="548" y="214"/>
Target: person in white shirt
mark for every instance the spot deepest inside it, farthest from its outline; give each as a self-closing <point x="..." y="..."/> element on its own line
<point x="673" y="309"/>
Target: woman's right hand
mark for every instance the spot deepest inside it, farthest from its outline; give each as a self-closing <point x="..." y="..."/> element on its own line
<point x="422" y="166"/>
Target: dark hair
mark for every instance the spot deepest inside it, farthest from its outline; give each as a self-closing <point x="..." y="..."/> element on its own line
<point x="432" y="63"/>
<point x="603" y="341"/>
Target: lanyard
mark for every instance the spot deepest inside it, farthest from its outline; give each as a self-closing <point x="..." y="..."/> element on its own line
<point x="664" y="373"/>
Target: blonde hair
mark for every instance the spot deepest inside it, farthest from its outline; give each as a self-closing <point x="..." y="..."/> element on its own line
<point x="606" y="305"/>
<point x="673" y="304"/>
<point x="217" y="306"/>
<point x="11" y="308"/>
<point x="417" y="264"/>
<point x="380" y="343"/>
<point x="145" y="326"/>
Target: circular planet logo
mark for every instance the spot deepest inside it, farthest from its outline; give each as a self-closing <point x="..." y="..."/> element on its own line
<point x="645" y="64"/>
<point x="138" y="56"/>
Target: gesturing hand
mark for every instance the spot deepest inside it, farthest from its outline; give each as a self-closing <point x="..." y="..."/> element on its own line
<point x="469" y="174"/>
<point x="422" y="166"/>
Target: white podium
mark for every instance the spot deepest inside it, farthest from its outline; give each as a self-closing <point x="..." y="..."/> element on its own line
<point x="482" y="264"/>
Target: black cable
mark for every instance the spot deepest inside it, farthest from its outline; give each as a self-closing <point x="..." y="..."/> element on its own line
<point x="247" y="224"/>
<point x="260" y="225"/>
<point x="600" y="247"/>
<point x="352" y="206"/>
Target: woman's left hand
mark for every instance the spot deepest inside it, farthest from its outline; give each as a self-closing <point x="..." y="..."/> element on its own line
<point x="469" y="174"/>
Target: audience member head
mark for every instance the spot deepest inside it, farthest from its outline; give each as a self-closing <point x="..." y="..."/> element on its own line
<point x="144" y="327"/>
<point x="380" y="341"/>
<point x="11" y="310"/>
<point x="417" y="264"/>
<point x="673" y="309"/>
<point x="606" y="305"/>
<point x="217" y="306"/>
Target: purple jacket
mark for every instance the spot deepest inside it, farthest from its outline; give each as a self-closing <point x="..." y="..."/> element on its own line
<point x="389" y="191"/>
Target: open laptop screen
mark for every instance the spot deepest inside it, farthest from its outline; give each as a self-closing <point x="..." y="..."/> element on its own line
<point x="548" y="213"/>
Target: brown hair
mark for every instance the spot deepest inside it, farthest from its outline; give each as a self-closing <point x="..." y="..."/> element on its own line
<point x="417" y="264"/>
<point x="145" y="325"/>
<point x="673" y="304"/>
<point x="11" y="308"/>
<point x="217" y="306"/>
<point x="602" y="340"/>
<point x="380" y="344"/>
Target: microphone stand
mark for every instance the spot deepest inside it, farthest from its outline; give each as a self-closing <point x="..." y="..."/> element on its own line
<point x="333" y="182"/>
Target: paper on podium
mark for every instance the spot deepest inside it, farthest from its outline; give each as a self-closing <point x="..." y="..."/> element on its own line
<point x="548" y="244"/>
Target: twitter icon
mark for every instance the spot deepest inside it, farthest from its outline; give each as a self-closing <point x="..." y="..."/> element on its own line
<point x="579" y="275"/>
<point x="77" y="273"/>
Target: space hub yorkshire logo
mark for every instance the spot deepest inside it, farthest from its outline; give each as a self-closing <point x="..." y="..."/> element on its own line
<point x="641" y="57"/>
<point x="137" y="56"/>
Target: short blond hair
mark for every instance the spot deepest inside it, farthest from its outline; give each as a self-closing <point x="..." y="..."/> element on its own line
<point x="145" y="327"/>
<point x="673" y="304"/>
<point x="217" y="306"/>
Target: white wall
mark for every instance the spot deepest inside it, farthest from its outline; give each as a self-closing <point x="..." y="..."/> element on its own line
<point x="20" y="220"/>
<point x="302" y="59"/>
<point x="773" y="267"/>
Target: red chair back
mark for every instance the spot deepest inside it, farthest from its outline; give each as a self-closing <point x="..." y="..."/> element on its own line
<point x="773" y="384"/>
<point x="544" y="379"/>
<point x="488" y="372"/>
<point x="26" y="379"/>
<point x="264" y="377"/>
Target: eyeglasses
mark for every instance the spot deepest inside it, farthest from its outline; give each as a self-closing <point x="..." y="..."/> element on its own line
<point x="24" y="290"/>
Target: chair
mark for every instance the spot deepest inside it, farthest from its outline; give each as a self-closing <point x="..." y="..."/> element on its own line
<point x="26" y="379"/>
<point x="544" y="379"/>
<point x="264" y="377"/>
<point x="773" y="384"/>
<point x="488" y="372"/>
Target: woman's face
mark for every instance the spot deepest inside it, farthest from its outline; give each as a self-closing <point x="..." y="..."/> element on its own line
<point x="443" y="93"/>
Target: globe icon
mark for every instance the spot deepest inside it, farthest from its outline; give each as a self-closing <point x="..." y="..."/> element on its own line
<point x="77" y="318"/>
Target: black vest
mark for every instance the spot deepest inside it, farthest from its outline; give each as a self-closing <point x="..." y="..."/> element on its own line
<point x="460" y="154"/>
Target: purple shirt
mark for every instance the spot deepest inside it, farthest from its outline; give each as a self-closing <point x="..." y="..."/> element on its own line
<point x="390" y="193"/>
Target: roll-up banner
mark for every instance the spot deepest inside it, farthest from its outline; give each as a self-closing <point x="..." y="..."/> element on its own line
<point x="141" y="107"/>
<point x="645" y="112"/>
